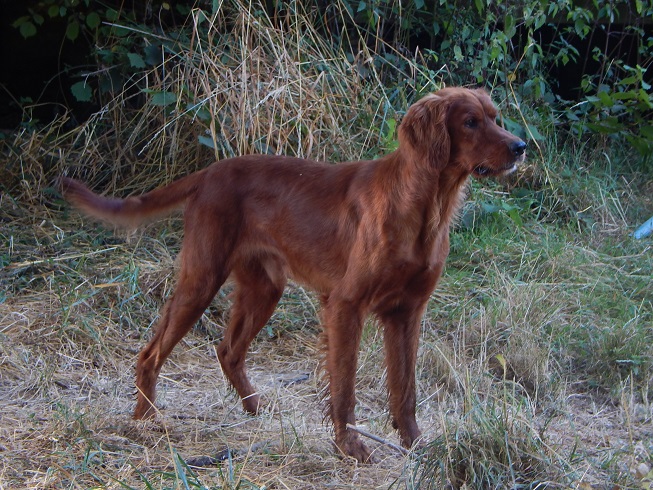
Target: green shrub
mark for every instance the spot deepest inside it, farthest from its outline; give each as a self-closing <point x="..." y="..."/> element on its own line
<point x="515" y="47"/>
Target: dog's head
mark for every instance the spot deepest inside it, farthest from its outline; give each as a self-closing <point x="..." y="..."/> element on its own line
<point x="457" y="127"/>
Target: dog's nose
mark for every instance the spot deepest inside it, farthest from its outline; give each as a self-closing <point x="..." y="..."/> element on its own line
<point x="518" y="148"/>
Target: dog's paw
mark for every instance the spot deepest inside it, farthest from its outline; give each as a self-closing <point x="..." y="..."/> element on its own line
<point x="351" y="446"/>
<point x="144" y="410"/>
<point x="408" y="432"/>
<point x="254" y="404"/>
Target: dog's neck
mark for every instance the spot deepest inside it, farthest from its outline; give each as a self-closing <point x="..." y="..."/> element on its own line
<point x="425" y="200"/>
<point x="437" y="189"/>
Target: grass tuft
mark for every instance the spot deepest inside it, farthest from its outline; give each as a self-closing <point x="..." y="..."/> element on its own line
<point x="494" y="444"/>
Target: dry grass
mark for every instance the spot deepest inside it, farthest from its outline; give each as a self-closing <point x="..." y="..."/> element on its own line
<point x="263" y="86"/>
<point x="70" y="335"/>
<point x="534" y="366"/>
<point x="80" y="304"/>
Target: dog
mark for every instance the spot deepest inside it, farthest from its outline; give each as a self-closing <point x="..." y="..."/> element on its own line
<point x="370" y="237"/>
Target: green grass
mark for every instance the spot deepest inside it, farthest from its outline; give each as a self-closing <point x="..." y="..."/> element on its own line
<point x="550" y="303"/>
<point x="496" y="443"/>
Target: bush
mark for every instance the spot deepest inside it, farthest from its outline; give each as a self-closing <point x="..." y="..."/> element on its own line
<point x="527" y="51"/>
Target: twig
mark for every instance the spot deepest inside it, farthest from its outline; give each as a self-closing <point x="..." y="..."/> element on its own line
<point x="227" y="453"/>
<point x="29" y="263"/>
<point x="378" y="439"/>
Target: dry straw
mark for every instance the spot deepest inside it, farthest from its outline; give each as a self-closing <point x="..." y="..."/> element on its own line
<point x="263" y="85"/>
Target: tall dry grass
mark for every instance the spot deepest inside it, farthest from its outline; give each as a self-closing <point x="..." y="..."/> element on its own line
<point x="237" y="82"/>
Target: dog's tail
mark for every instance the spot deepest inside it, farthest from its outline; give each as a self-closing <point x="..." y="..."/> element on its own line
<point x="131" y="211"/>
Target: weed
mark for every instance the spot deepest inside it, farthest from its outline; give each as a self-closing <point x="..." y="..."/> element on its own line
<point x="495" y="444"/>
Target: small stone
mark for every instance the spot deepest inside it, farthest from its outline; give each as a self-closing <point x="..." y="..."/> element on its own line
<point x="642" y="470"/>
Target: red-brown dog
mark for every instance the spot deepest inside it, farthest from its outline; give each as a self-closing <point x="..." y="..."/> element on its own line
<point x="370" y="237"/>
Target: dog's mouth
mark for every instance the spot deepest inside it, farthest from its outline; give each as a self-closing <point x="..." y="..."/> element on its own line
<point x="488" y="171"/>
<point x="517" y="151"/>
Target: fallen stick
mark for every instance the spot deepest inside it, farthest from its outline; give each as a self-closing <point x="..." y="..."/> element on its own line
<point x="378" y="439"/>
<point x="227" y="453"/>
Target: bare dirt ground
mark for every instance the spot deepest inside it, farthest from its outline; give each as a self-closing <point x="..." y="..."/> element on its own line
<point x="67" y="419"/>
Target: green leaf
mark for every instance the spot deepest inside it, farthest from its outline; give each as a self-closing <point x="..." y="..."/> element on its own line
<point x="629" y="80"/>
<point x="136" y="60"/>
<point x="605" y="99"/>
<point x="180" y="469"/>
<point x="502" y="361"/>
<point x="201" y="17"/>
<point x="645" y="99"/>
<point x="20" y="21"/>
<point x="513" y="213"/>
<point x="82" y="91"/>
<point x="419" y="4"/>
<point x="534" y="133"/>
<point x="642" y="145"/>
<point x="199" y="111"/>
<point x="93" y="20"/>
<point x="647" y="131"/>
<point x="27" y="29"/>
<point x="630" y="95"/>
<point x="119" y="31"/>
<point x="112" y="15"/>
<point x="203" y="115"/>
<point x="571" y="116"/>
<point x="163" y="99"/>
<point x="206" y="141"/>
<point x="153" y="54"/>
<point x="604" y="128"/>
<point x="72" y="31"/>
<point x="390" y="134"/>
<point x="490" y="208"/>
<point x="509" y="26"/>
<point x="361" y="6"/>
<point x="53" y="11"/>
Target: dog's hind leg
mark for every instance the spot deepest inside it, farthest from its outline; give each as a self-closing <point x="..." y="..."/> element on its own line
<point x="259" y="285"/>
<point x="202" y="272"/>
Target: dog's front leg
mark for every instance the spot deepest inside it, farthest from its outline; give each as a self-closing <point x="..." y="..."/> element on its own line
<point x="401" y="328"/>
<point x="401" y="337"/>
<point x="343" y="325"/>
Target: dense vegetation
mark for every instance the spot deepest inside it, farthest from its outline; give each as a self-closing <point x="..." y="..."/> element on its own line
<point x="535" y="366"/>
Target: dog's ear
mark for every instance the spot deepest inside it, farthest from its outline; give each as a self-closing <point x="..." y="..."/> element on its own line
<point x="424" y="131"/>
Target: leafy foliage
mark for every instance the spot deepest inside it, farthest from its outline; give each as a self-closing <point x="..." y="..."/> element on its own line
<point x="79" y="16"/>
<point x="518" y="48"/>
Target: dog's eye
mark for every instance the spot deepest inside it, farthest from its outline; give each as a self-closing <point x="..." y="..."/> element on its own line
<point x="471" y="123"/>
